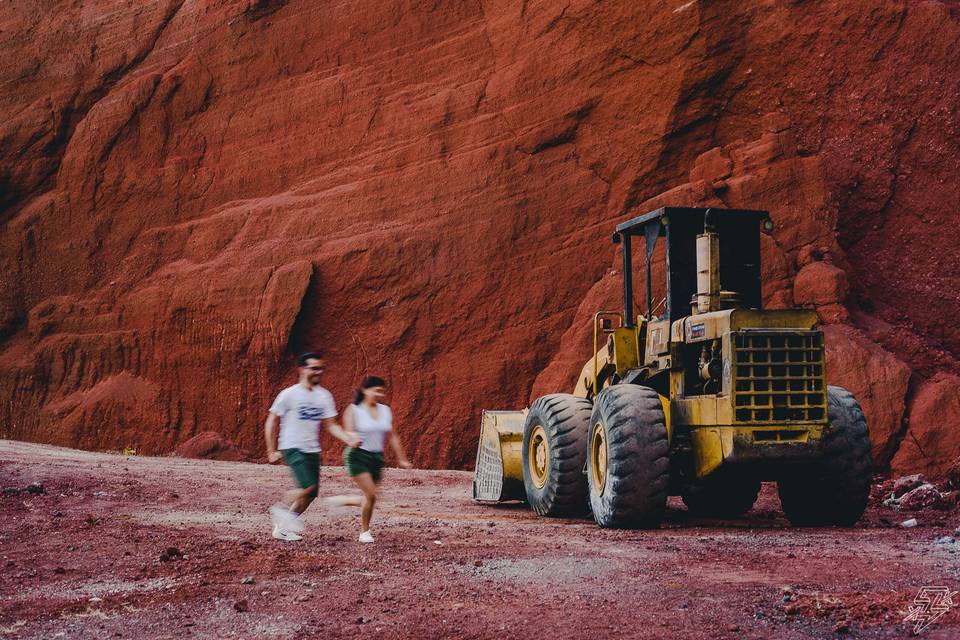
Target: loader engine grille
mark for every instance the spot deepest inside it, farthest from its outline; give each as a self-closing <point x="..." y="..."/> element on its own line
<point x="778" y="376"/>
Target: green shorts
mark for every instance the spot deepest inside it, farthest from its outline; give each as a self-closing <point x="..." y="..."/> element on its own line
<point x="358" y="461"/>
<point x="304" y="466"/>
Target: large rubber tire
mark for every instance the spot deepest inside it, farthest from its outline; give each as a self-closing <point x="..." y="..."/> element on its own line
<point x="834" y="491"/>
<point x="561" y="422"/>
<point x="628" y="471"/>
<point x="726" y="494"/>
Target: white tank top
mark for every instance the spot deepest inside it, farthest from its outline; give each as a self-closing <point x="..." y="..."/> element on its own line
<point x="373" y="432"/>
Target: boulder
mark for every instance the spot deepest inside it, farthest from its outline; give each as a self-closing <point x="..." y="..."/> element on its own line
<point x="818" y="284"/>
<point x="907" y="483"/>
<point x="932" y="442"/>
<point x="875" y="377"/>
<point x="925" y="496"/>
<point x="210" y="445"/>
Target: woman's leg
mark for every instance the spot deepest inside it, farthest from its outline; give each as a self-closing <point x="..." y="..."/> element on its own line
<point x="344" y="501"/>
<point x="369" y="488"/>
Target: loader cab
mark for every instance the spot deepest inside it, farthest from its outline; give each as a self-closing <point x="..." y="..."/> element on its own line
<point x="710" y="261"/>
<point x="697" y="264"/>
<point x="738" y="231"/>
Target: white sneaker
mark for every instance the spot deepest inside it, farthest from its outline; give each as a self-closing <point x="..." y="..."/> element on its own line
<point x="366" y="537"/>
<point x="286" y="536"/>
<point x="285" y="519"/>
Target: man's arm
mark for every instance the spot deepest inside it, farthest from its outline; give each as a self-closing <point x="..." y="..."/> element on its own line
<point x="270" y="432"/>
<point x="346" y="437"/>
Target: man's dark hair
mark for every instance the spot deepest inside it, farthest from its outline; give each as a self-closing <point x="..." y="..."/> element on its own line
<point x="309" y="355"/>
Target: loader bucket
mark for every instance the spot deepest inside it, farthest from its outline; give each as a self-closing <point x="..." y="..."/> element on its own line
<point x="499" y="470"/>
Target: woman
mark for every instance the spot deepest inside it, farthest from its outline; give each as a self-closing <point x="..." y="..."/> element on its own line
<point x="372" y="422"/>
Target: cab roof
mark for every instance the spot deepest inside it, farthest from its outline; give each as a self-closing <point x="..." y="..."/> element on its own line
<point x="689" y="215"/>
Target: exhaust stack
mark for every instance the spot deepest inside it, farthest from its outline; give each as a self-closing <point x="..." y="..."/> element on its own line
<point x="708" y="267"/>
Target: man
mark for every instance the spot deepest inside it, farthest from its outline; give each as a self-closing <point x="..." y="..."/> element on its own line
<point x="299" y="412"/>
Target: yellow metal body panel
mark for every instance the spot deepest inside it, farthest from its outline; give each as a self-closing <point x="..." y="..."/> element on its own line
<point x="772" y="319"/>
<point x="714" y="446"/>
<point x="711" y="326"/>
<point x="498" y="475"/>
<point x="601" y="363"/>
<point x="708" y="450"/>
<point x="668" y="422"/>
<point x="625" y="356"/>
<point x="626" y="353"/>
<point x="702" y="410"/>
<point x="658" y="340"/>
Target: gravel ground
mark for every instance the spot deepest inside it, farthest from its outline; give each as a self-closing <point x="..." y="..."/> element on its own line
<point x="137" y="547"/>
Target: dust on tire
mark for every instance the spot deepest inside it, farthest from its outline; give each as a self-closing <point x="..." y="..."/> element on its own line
<point x="565" y="420"/>
<point x="634" y="493"/>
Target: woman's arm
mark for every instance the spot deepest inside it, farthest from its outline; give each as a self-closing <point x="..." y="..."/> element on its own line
<point x="345" y="435"/>
<point x="398" y="449"/>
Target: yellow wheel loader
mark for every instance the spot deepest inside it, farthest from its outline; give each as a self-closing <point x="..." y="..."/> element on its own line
<point x="705" y="400"/>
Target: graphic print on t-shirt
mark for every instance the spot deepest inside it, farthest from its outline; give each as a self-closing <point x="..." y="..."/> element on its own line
<point x="309" y="412"/>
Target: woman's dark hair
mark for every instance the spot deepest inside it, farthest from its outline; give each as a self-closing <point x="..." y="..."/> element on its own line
<point x="368" y="383"/>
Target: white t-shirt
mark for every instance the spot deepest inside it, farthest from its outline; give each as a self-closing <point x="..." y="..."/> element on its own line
<point x="301" y="410"/>
<point x="372" y="430"/>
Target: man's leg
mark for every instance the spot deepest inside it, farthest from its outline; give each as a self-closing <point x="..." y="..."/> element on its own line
<point x="292" y="497"/>
<point x="306" y="471"/>
<point x="302" y="499"/>
<point x="305" y="468"/>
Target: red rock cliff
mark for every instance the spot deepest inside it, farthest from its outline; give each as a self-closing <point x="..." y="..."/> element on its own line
<point x="191" y="192"/>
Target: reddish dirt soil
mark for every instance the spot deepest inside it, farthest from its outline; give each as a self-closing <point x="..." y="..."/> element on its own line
<point x="84" y="561"/>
